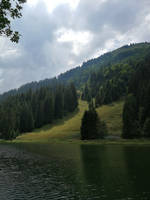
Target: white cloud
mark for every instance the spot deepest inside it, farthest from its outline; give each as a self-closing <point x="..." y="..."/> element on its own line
<point x="79" y="39"/>
<point x="52" y="4"/>
<point x="60" y="34"/>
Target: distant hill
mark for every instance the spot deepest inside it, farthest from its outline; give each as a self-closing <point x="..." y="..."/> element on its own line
<point x="132" y="52"/>
<point x="96" y="75"/>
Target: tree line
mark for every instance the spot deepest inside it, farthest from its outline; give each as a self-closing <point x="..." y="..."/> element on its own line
<point x="32" y="109"/>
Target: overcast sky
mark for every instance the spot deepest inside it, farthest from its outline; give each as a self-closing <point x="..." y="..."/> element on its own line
<point x="60" y="34"/>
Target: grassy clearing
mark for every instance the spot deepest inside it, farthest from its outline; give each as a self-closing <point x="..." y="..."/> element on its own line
<point x="112" y="115"/>
<point x="66" y="129"/>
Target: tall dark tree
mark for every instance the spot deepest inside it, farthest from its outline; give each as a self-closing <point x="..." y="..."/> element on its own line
<point x="26" y="118"/>
<point x="70" y="98"/>
<point x="59" y="103"/>
<point x="91" y="126"/>
<point x="130" y="118"/>
<point x="48" y="109"/>
<point x="86" y="94"/>
<point x="74" y="96"/>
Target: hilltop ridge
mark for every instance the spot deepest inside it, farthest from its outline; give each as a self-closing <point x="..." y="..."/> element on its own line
<point x="80" y="75"/>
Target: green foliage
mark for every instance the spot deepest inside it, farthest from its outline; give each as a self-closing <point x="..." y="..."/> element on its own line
<point x="91" y="126"/>
<point x="26" y="118"/>
<point x="86" y="95"/>
<point x="67" y="129"/>
<point x="10" y="10"/>
<point x="109" y="81"/>
<point x="137" y="111"/>
<point x="26" y="111"/>
<point x="102" y="129"/>
<point x="112" y="115"/>
<point x="146" y="128"/>
<point x="130" y="125"/>
<point x="92" y="70"/>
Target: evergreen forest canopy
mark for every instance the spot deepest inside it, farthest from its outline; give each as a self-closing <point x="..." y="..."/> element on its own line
<point x="32" y="109"/>
<point x="136" y="113"/>
<point x="107" y="78"/>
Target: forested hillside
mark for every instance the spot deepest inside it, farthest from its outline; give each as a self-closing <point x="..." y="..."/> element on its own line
<point x="110" y="83"/>
<point x="98" y="77"/>
<point x="127" y="54"/>
<point x="32" y="109"/>
<point x="136" y="114"/>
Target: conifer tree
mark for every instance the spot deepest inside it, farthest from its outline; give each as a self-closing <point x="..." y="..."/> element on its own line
<point x="59" y="103"/>
<point x="91" y="126"/>
<point x="26" y="119"/>
<point x="130" y="118"/>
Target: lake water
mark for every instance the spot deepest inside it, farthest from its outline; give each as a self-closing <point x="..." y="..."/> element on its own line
<point x="68" y="171"/>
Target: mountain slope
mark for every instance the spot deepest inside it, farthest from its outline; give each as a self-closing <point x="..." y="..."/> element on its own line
<point x="125" y="54"/>
<point x="129" y="54"/>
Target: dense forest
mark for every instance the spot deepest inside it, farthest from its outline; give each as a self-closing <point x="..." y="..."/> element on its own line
<point x="136" y="113"/>
<point x="23" y="112"/>
<point x="110" y="83"/>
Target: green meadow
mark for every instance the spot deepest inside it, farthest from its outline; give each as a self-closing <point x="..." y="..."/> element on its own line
<point x="112" y="115"/>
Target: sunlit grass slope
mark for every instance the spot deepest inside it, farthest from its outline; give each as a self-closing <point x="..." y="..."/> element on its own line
<point x="68" y="128"/>
<point x="112" y="115"/>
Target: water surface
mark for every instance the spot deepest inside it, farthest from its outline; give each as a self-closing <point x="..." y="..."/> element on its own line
<point x="68" y="171"/>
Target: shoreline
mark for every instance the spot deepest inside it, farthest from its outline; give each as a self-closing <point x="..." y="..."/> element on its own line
<point x="82" y="142"/>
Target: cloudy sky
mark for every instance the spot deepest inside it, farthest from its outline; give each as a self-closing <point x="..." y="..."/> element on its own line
<point x="60" y="34"/>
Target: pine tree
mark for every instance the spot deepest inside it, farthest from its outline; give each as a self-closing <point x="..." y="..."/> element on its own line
<point x="48" y="109"/>
<point x="74" y="96"/>
<point x="59" y="103"/>
<point x="130" y="118"/>
<point x="91" y="126"/>
<point x="26" y="119"/>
